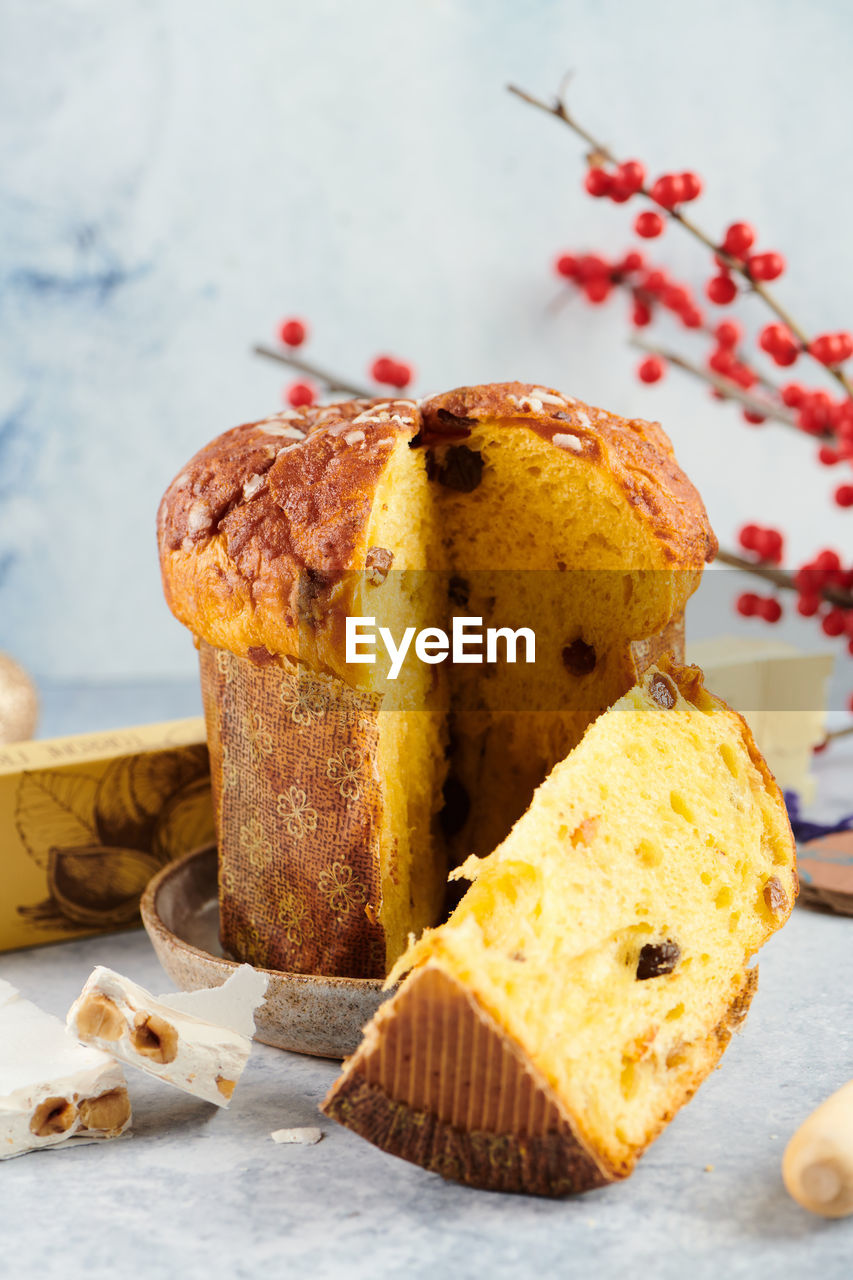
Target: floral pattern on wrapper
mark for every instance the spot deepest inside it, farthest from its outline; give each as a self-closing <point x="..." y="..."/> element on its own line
<point x="298" y="815"/>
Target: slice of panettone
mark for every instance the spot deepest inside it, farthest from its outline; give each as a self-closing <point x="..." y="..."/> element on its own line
<point x="592" y="974"/>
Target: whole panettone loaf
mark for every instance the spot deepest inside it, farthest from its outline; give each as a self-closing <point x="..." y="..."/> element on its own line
<point x="340" y="792"/>
<point x="592" y="974"/>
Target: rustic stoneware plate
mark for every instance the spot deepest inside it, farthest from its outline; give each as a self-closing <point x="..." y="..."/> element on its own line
<point x="303" y="1012"/>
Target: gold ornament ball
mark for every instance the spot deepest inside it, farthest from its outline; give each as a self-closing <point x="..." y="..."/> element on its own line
<point x="18" y="702"/>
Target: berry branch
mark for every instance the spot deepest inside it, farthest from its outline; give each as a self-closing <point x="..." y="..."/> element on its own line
<point x="727" y="389"/>
<point x="786" y="580"/>
<point x="824" y="586"/>
<point x="731" y="255"/>
<point x="384" y="370"/>
<point x="331" y="382"/>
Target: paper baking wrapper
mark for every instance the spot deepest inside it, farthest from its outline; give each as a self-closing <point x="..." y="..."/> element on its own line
<point x="298" y="805"/>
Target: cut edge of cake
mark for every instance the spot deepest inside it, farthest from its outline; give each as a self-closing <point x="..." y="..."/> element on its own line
<point x="473" y="1108"/>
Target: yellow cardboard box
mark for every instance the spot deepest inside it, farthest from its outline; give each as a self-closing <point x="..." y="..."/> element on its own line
<point x="86" y="821"/>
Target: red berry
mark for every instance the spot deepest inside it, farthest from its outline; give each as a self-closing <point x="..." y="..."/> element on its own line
<point x="833" y="623"/>
<point x="811" y="421"/>
<point x="648" y="224"/>
<point x="293" y="332"/>
<point x="765" y="266"/>
<point x="631" y="175"/>
<point x="566" y="266"/>
<point x="827" y="457"/>
<point x="728" y="334"/>
<point x="778" y="341"/>
<point x="743" y="376"/>
<point x="299" y="393"/>
<point x="691" y="185"/>
<point x="656" y="281"/>
<point x="749" y="535"/>
<point x="792" y="395"/>
<point x="844" y="495"/>
<point x="590" y="265"/>
<point x="722" y="361"/>
<point x="618" y="192"/>
<point x="850" y="699"/>
<point x="754" y="418"/>
<point x="692" y="318"/>
<point x="823" y="349"/>
<point x="597" y="288"/>
<point x="827" y="559"/>
<point x="769" y="546"/>
<point x="641" y="315"/>
<point x="598" y="182"/>
<point x="676" y="297"/>
<point x="832" y="348"/>
<point x="668" y="190"/>
<point x="748" y="604"/>
<point x="382" y="369"/>
<point x="739" y="239"/>
<point x="808" y="605"/>
<point x="787" y="354"/>
<point x="632" y="261"/>
<point x="770" y="609"/>
<point x="651" y="369"/>
<point x="400" y="375"/>
<point x="721" y="290"/>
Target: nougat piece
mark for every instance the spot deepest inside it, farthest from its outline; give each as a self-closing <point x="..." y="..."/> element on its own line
<point x="53" y="1090"/>
<point x="198" y="1041"/>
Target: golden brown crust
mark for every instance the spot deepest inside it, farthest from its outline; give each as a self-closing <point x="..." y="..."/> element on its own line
<point x="272" y="510"/>
<point x="437" y="1082"/>
<point x="638" y="454"/>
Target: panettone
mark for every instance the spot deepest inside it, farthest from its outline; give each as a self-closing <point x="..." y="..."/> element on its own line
<point x="340" y="793"/>
<point x="592" y="974"/>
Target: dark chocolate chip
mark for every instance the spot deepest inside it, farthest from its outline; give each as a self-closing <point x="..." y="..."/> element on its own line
<point x="662" y="690"/>
<point x="457" y="806"/>
<point x="459" y="590"/>
<point x="455" y="421"/>
<point x="657" y="958"/>
<point x="579" y="658"/>
<point x="461" y="468"/>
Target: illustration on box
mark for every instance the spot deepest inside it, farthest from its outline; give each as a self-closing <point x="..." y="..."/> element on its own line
<point x="101" y="839"/>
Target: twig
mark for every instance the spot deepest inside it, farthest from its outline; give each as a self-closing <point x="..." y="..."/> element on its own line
<point x="730" y="390"/>
<point x="330" y="380"/>
<point x="784" y="578"/>
<point x="834" y="734"/>
<point x="560" y="112"/>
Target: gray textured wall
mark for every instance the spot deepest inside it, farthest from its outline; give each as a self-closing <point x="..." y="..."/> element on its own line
<point x="176" y="176"/>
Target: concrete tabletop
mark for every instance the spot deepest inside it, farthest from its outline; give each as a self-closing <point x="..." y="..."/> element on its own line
<point x="198" y="1193"/>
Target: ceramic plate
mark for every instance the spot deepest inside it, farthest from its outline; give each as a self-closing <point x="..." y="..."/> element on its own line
<point x="304" y="1012"/>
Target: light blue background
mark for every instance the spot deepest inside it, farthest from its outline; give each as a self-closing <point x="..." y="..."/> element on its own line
<point x="176" y="176"/>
